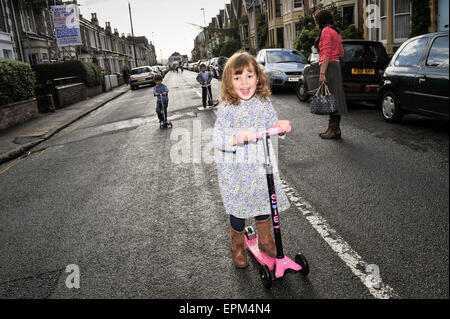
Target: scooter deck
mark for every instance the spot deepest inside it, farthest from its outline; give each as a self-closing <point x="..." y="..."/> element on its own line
<point x="280" y="266"/>
<point x="260" y="256"/>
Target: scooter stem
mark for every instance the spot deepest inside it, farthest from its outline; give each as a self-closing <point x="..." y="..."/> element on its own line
<point x="272" y="197"/>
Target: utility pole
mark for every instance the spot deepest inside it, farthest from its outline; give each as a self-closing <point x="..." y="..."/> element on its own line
<point x="132" y="34"/>
<point x="256" y="26"/>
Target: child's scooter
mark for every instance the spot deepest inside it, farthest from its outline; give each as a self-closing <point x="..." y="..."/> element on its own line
<point x="272" y="268"/>
<point x="210" y="99"/>
<point x="165" y="123"/>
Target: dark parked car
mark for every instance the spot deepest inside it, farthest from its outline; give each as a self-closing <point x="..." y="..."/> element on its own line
<point x="416" y="79"/>
<point x="362" y="67"/>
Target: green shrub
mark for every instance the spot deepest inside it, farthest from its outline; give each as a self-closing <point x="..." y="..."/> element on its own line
<point x="87" y="73"/>
<point x="17" y="81"/>
<point x="305" y="41"/>
<point x="351" y="32"/>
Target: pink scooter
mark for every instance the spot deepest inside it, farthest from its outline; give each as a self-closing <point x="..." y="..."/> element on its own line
<point x="272" y="268"/>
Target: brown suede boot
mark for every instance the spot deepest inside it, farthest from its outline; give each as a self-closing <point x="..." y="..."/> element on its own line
<point x="265" y="239"/>
<point x="334" y="131"/>
<point x="327" y="132"/>
<point x="237" y="248"/>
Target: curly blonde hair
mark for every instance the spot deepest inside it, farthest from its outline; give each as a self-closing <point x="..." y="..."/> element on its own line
<point x="237" y="63"/>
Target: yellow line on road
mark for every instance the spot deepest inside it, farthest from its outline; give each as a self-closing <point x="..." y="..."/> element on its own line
<point x="11" y="165"/>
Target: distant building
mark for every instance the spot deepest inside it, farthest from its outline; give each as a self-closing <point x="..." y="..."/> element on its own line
<point x="175" y="59"/>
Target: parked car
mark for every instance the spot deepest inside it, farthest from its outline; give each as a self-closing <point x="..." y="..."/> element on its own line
<point x="362" y="67"/>
<point x="216" y="66"/>
<point x="282" y="66"/>
<point x="212" y="67"/>
<point x="416" y="79"/>
<point x="140" y="76"/>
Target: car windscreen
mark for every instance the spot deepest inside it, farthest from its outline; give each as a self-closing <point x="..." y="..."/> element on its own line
<point x="140" y="70"/>
<point x="285" y="56"/>
<point x="358" y="52"/>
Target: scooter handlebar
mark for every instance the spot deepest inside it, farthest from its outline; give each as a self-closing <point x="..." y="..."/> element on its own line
<point x="271" y="131"/>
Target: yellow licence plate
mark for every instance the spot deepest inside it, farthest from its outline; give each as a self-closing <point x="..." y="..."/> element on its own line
<point x="140" y="80"/>
<point x="363" y="71"/>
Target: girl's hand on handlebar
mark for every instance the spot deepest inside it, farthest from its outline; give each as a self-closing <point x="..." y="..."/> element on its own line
<point x="282" y="125"/>
<point x="244" y="136"/>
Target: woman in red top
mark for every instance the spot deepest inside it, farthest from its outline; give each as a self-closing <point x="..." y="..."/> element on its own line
<point x="329" y="45"/>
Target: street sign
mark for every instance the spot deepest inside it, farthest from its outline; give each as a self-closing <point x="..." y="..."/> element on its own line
<point x="66" y="22"/>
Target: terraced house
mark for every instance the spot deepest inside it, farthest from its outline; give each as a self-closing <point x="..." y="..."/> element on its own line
<point x="388" y="21"/>
<point x="26" y="34"/>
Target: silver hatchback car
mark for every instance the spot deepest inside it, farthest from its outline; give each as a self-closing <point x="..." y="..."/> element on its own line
<point x="141" y="76"/>
<point x="283" y="67"/>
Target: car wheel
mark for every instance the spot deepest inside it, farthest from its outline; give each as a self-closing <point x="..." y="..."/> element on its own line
<point x="390" y="107"/>
<point x="301" y="92"/>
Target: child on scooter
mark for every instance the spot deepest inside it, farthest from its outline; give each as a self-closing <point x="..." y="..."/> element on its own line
<point x="204" y="78"/>
<point x="246" y="108"/>
<point x="162" y="98"/>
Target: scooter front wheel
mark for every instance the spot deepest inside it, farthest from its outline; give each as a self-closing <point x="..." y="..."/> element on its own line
<point x="301" y="260"/>
<point x="265" y="275"/>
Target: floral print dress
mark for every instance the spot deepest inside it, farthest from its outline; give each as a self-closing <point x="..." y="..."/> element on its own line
<point x="241" y="174"/>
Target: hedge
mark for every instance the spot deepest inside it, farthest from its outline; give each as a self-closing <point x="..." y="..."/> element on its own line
<point x="88" y="73"/>
<point x="17" y="81"/>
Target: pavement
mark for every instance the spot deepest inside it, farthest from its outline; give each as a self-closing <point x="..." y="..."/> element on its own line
<point x="17" y="140"/>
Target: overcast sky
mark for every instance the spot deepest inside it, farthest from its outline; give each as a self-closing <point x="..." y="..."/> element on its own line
<point x="165" y="22"/>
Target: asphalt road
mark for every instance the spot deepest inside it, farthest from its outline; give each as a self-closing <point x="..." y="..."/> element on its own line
<point x="110" y="195"/>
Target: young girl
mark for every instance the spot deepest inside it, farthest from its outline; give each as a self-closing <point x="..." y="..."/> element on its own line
<point x="246" y="108"/>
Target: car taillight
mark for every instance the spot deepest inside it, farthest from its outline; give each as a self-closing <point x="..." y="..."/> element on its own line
<point x="132" y="77"/>
<point x="150" y="74"/>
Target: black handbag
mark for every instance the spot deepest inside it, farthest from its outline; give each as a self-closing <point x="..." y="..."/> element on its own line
<point x="323" y="102"/>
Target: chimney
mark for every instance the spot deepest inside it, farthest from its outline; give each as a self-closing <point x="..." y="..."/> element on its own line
<point x="108" y="26"/>
<point x="116" y="32"/>
<point x="94" y="19"/>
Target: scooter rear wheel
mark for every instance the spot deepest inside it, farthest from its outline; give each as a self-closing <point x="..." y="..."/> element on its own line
<point x="265" y="275"/>
<point x="301" y="260"/>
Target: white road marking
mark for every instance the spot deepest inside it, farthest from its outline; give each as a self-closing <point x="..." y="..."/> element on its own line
<point x="351" y="258"/>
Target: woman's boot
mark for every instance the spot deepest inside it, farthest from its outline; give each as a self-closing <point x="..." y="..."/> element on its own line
<point x="334" y="131"/>
<point x="265" y="239"/>
<point x="237" y="248"/>
<point x="327" y="132"/>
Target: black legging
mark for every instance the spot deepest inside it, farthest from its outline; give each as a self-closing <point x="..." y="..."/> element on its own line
<point x="238" y="224"/>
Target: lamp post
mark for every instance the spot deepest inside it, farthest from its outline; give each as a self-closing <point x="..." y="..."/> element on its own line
<point x="204" y="19"/>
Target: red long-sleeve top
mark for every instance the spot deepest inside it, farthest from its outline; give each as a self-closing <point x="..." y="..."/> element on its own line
<point x="330" y="45"/>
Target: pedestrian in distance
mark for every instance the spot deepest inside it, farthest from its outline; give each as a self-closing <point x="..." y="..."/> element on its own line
<point x="245" y="108"/>
<point x="162" y="98"/>
<point x="329" y="45"/>
<point x="204" y="78"/>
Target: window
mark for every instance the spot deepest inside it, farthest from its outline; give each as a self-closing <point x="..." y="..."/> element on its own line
<point x="297" y="30"/>
<point x="298" y="4"/>
<point x="383" y="21"/>
<point x="411" y="53"/>
<point x="277" y="8"/>
<point x="348" y="15"/>
<point x="438" y="56"/>
<point x="7" y="54"/>
<point x="402" y="11"/>
<point x="285" y="56"/>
